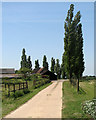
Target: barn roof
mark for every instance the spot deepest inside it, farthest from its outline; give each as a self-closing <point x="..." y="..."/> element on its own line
<point x="7" y="70"/>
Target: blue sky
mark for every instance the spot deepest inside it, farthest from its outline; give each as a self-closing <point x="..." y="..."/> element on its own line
<point x="39" y="28"/>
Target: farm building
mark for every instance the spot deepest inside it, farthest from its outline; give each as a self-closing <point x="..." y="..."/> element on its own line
<point x="8" y="72"/>
<point x="43" y="71"/>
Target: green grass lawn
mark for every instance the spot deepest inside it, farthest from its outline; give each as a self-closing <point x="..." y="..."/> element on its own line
<point x="9" y="103"/>
<point x="72" y="100"/>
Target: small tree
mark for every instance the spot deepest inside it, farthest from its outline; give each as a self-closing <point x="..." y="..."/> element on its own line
<point x="36" y="64"/>
<point x="23" y="59"/>
<point x="45" y="63"/>
<point x="52" y="65"/>
<point x="57" y="69"/>
<point x="29" y="63"/>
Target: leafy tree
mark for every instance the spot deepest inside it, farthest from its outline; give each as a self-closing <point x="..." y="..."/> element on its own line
<point x="79" y="60"/>
<point x="52" y="65"/>
<point x="29" y="63"/>
<point x="69" y="42"/>
<point x="57" y="69"/>
<point x="45" y="63"/>
<point x="63" y="68"/>
<point x="23" y="59"/>
<point x="73" y="45"/>
<point x="36" y="64"/>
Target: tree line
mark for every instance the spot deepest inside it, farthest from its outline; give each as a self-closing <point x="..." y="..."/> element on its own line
<point x="27" y="63"/>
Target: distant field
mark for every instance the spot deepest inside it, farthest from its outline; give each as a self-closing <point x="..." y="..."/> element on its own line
<point x="72" y="107"/>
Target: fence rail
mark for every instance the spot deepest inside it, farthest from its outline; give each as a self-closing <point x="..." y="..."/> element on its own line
<point x="21" y="86"/>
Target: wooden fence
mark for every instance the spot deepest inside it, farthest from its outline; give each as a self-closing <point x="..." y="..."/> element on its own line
<point x="22" y="85"/>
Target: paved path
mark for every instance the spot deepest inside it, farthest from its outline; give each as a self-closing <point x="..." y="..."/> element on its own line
<point x="46" y="104"/>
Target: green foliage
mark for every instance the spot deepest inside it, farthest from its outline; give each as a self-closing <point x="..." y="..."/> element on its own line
<point x="87" y="78"/>
<point x="23" y="59"/>
<point x="29" y="63"/>
<point x="63" y="68"/>
<point x="39" y="80"/>
<point x="24" y="71"/>
<point x="45" y="63"/>
<point x="12" y="80"/>
<point x="36" y="64"/>
<point x="18" y="94"/>
<point x="57" y="69"/>
<point x="52" y="65"/>
<point x="25" y="63"/>
<point x="26" y="91"/>
<point x="73" y="60"/>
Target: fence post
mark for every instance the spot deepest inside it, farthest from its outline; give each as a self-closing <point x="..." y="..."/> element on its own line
<point x="26" y="84"/>
<point x="23" y="85"/>
<point x="8" y="89"/>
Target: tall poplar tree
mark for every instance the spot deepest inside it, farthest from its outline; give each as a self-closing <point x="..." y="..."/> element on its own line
<point x="73" y="45"/>
<point x="52" y="65"/>
<point x="29" y="63"/>
<point x="45" y="63"/>
<point x="69" y="42"/>
<point x="36" y="64"/>
<point x="57" y="69"/>
<point x="23" y="59"/>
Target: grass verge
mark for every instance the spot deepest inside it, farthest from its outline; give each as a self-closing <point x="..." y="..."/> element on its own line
<point x="9" y="104"/>
<point x="72" y="107"/>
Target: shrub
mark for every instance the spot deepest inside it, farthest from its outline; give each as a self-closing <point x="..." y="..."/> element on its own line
<point x="18" y="94"/>
<point x="89" y="107"/>
<point x="26" y="91"/>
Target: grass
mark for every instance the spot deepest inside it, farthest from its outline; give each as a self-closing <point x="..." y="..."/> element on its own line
<point x="9" y="103"/>
<point x="72" y="107"/>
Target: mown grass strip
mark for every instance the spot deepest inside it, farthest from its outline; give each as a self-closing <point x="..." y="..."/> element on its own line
<point x="72" y="107"/>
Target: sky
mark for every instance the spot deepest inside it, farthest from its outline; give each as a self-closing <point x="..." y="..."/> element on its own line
<point x="39" y="28"/>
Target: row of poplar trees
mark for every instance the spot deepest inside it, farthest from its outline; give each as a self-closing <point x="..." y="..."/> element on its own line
<point x="26" y="63"/>
<point x="73" y="58"/>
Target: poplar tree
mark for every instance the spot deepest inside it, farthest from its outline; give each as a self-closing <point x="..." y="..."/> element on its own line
<point x="45" y="63"/>
<point x="52" y="65"/>
<point x="68" y="42"/>
<point x="29" y="63"/>
<point x="57" y="69"/>
<point x="79" y="60"/>
<point x="36" y="64"/>
<point x="73" y="46"/>
<point x="23" y="59"/>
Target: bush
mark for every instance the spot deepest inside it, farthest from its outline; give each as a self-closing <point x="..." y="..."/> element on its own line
<point x="89" y="107"/>
<point x="26" y="91"/>
<point x="18" y="94"/>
